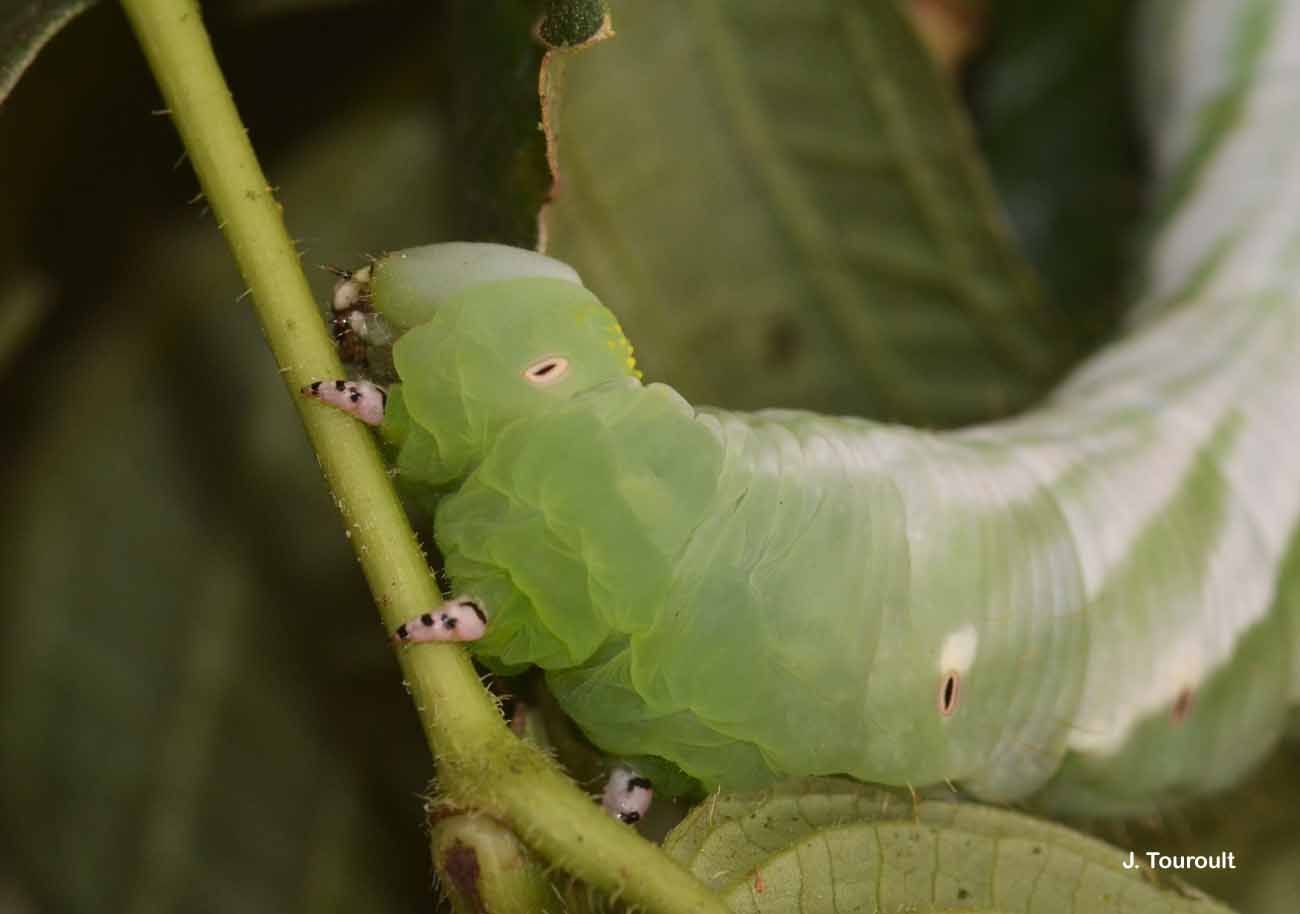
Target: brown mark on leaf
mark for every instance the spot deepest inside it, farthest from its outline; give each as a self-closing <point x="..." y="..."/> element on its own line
<point x="511" y="64"/>
<point x="550" y="86"/>
<point x="1182" y="706"/>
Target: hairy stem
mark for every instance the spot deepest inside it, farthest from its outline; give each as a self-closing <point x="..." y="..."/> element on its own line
<point x="481" y="764"/>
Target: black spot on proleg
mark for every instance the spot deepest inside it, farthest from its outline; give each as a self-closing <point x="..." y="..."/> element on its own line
<point x="427" y="620"/>
<point x="948" y="690"/>
<point x="402" y="633"/>
<point x="315" y="386"/>
<point x="340" y="385"/>
<point x="448" y="622"/>
<point x="630" y="817"/>
<point x="355" y="396"/>
<point x="643" y="783"/>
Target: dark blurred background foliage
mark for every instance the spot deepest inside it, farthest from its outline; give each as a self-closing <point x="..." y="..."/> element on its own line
<point x="198" y="711"/>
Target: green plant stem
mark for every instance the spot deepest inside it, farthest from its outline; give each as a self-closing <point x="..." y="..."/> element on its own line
<point x="481" y="765"/>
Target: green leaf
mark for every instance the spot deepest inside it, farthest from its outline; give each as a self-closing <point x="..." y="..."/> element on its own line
<point x="504" y="81"/>
<point x="25" y="27"/>
<point x="830" y="845"/>
<point x="774" y="232"/>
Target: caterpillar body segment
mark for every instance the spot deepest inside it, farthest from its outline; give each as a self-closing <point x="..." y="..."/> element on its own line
<point x="1094" y="603"/>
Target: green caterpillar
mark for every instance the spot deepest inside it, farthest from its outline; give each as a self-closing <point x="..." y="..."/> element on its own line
<point x="1092" y="602"/>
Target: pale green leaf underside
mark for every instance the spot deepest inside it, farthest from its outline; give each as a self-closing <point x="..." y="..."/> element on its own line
<point x="828" y="845"/>
<point x="783" y="205"/>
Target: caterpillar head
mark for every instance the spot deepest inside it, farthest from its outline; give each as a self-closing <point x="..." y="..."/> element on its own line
<point x="489" y="334"/>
